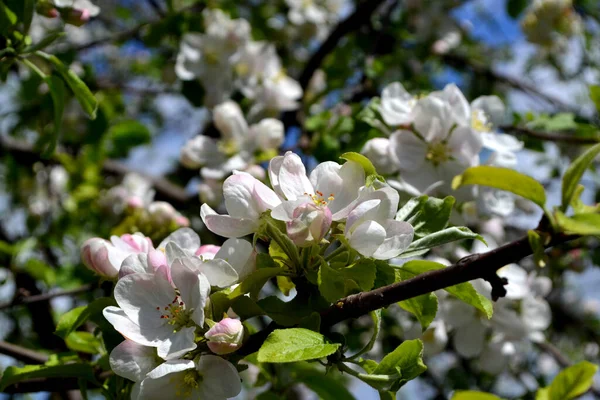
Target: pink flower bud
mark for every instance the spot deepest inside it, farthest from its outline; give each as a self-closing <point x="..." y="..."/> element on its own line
<point x="136" y="243"/>
<point x="47" y="10"/>
<point x="182" y="221"/>
<point x="75" y="17"/>
<point x="309" y="225"/>
<point x="135" y="202"/>
<point x="226" y="336"/>
<point x="94" y="254"/>
<point x="208" y="251"/>
<point x="157" y="259"/>
<point x="162" y="212"/>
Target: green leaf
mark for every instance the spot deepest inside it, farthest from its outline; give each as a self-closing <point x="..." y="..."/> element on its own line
<point x="423" y="307"/>
<point x="542" y="394"/>
<point x="554" y="123"/>
<point x="7" y="18"/>
<point x="326" y="386"/>
<point x="284" y="313"/>
<point x="515" y="7"/>
<point x="408" y="358"/>
<point x="574" y="173"/>
<point x="504" y="179"/>
<point x="46" y="41"/>
<point x="579" y="224"/>
<point x="84" y="342"/>
<point x="335" y="283"/>
<point x="362" y="160"/>
<point x="295" y="344"/>
<point x="473" y="395"/>
<point x="452" y="234"/>
<point x="246" y="308"/>
<point x="376" y="316"/>
<point x="14" y="375"/>
<point x="595" y="95"/>
<point x="426" y="214"/>
<point x="73" y="319"/>
<point x="463" y="291"/>
<point x="255" y="281"/>
<point x="125" y="136"/>
<point x="57" y="92"/>
<point x="537" y="245"/>
<point x="82" y="93"/>
<point x="573" y="381"/>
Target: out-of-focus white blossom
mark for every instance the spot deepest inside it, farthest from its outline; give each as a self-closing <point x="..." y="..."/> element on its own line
<point x="550" y="23"/>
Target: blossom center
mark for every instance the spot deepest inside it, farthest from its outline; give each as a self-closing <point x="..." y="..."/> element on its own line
<point x="191" y="380"/>
<point x="176" y="314"/>
<point x="479" y="121"/>
<point x="438" y="153"/>
<point x="319" y="198"/>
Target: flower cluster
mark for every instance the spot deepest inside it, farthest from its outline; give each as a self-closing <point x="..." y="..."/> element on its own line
<point x="435" y="137"/>
<point x="240" y="147"/>
<point x="321" y="15"/>
<point x="225" y="58"/>
<point x="309" y="206"/>
<point x="172" y="348"/>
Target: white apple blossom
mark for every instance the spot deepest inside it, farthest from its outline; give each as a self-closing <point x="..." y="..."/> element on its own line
<point x="151" y="313"/>
<point x="378" y="151"/>
<point x="396" y="105"/>
<point x="77" y="12"/>
<point x="370" y="227"/>
<point x="550" y="23"/>
<point x="246" y="198"/>
<point x="133" y="361"/>
<point x="209" y="377"/>
<point x="134" y="191"/>
<point x="105" y="258"/>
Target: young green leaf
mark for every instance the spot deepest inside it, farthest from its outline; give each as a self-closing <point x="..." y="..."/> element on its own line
<point x="408" y="358"/>
<point x="45" y="42"/>
<point x="423" y="307"/>
<point x="12" y="375"/>
<point x="595" y="95"/>
<point x="57" y="92"/>
<point x="84" y="342"/>
<point x="572" y="382"/>
<point x="463" y="291"/>
<point x="295" y="344"/>
<point x="452" y="234"/>
<point x="537" y="245"/>
<point x="362" y="160"/>
<point x="7" y="18"/>
<point x="326" y="386"/>
<point x="335" y="283"/>
<point x="504" y="179"/>
<point x="426" y="214"/>
<point x="73" y="319"/>
<point x="574" y="173"/>
<point x="82" y="93"/>
<point x="579" y="224"/>
<point x="255" y="281"/>
<point x="473" y="395"/>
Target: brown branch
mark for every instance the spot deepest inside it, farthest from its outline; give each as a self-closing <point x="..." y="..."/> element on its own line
<point x="483" y="265"/>
<point x="550" y="136"/>
<point x="54" y="384"/>
<point x="476" y="266"/>
<point x="22" y="354"/>
<point x="19" y="300"/>
<point x="358" y="18"/>
<point x="24" y="153"/>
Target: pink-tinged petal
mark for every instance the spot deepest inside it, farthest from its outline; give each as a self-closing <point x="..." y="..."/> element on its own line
<point x="208" y="251"/>
<point x="135" y="264"/>
<point x="285" y="211"/>
<point x="265" y="197"/>
<point x="399" y="235"/>
<point x="292" y="177"/>
<point x="185" y="238"/>
<point x="122" y="324"/>
<point x="225" y="225"/>
<point x="193" y="286"/>
<point x="367" y="237"/>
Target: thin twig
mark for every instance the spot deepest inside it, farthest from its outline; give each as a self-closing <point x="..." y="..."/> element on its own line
<point x="550" y="136"/>
<point x="22" y="354"/>
<point x="21" y="300"/>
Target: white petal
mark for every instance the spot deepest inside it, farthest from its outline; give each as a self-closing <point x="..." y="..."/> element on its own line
<point x="536" y="313"/>
<point x="465" y="145"/>
<point x="396" y="104"/>
<point x="468" y="339"/>
<point x="221" y="379"/>
<point x="238" y="191"/>
<point x="185" y="238"/>
<point x="193" y="286"/>
<point x="173" y="252"/>
<point x="140" y="294"/>
<point x="399" y="235"/>
<point x="135" y="263"/>
<point x="517" y="287"/>
<point x="274" y="168"/>
<point x="122" y="324"/>
<point x="367" y="237"/>
<point x="177" y="343"/>
<point x="493" y="107"/>
<point x="292" y="177"/>
<point x="500" y="142"/>
<point x="239" y="254"/>
<point x="364" y="211"/>
<point x="225" y="225"/>
<point x="133" y="361"/>
<point x="407" y="150"/>
<point x="162" y="382"/>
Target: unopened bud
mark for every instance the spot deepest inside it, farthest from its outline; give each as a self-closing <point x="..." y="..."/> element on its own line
<point x="94" y="254"/>
<point x="309" y="225"/>
<point x="226" y="336"/>
<point x="46" y="9"/>
<point x="74" y="16"/>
